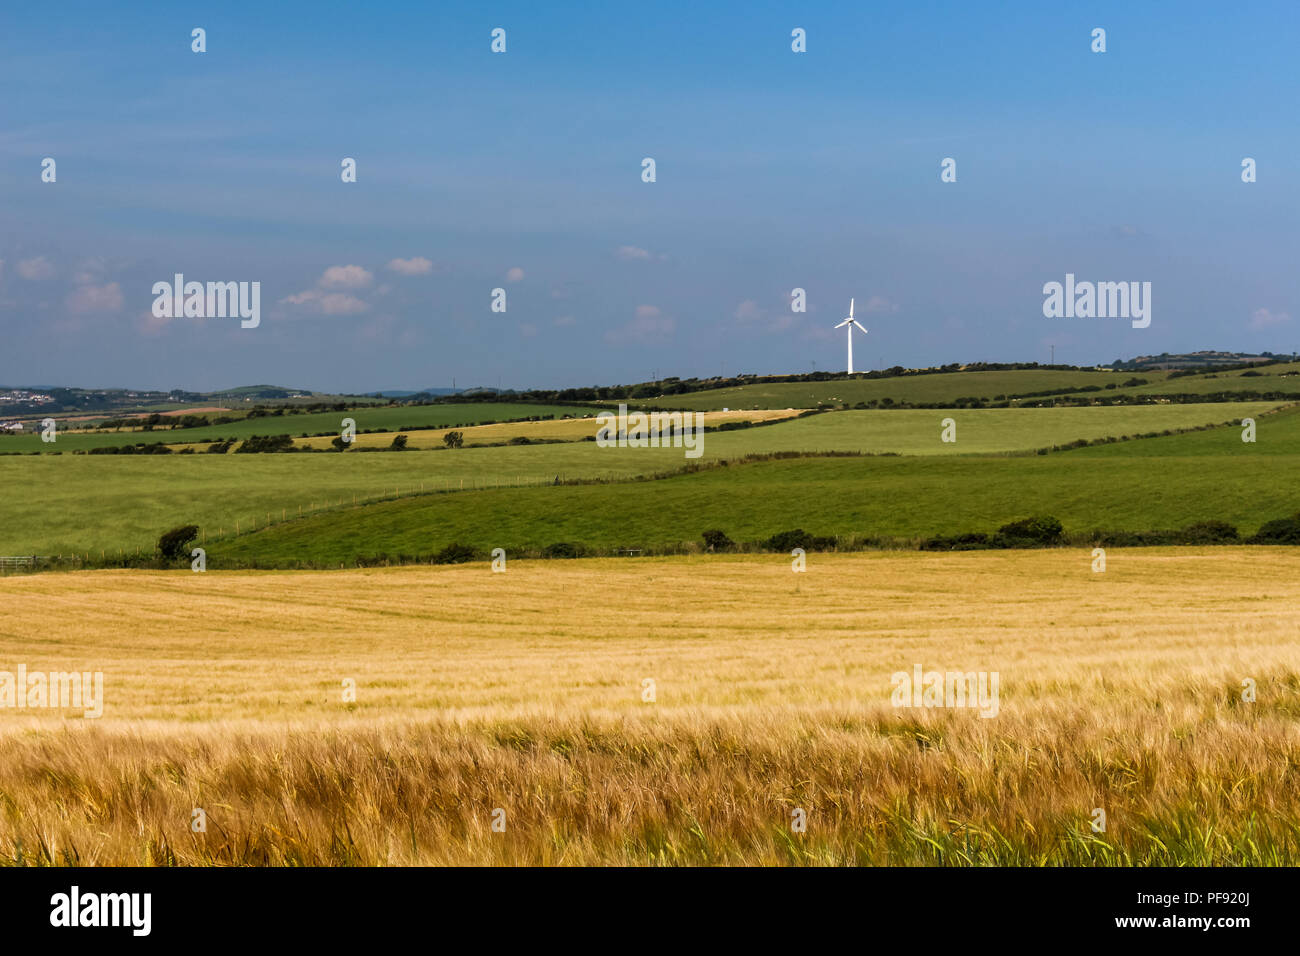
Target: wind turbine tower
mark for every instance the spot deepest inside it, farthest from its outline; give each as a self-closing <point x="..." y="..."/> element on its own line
<point x="850" y="322"/>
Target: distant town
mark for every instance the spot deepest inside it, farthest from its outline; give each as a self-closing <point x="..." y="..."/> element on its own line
<point x="22" y="396"/>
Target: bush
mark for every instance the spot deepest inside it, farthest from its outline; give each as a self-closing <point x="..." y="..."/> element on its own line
<point x="798" y="538"/>
<point x="175" y="543"/>
<point x="398" y="444"/>
<point x="139" y="448"/>
<point x="339" y="443"/>
<point x="260" y="444"/>
<point x="1279" y="531"/>
<point x="454" y="554"/>
<point x="561" y="549"/>
<point x="1209" y="532"/>
<point x="717" y="541"/>
<point x="1038" y="531"/>
<point x="1204" y="532"/>
<point x="453" y="439"/>
<point x="1135" y="539"/>
<point x="971" y="541"/>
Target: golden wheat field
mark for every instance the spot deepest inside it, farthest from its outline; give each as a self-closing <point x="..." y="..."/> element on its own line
<point x="564" y="429"/>
<point x="520" y="697"/>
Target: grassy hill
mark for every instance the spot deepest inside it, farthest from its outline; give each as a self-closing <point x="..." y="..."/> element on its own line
<point x="894" y="497"/>
<point x="899" y="432"/>
<point x="921" y="389"/>
<point x="1001" y="385"/>
<point x="89" y="503"/>
<point x="1270" y="378"/>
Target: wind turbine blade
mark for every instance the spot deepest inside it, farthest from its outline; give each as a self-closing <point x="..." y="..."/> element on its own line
<point x="850" y="308"/>
<point x="844" y="323"/>
<point x="858" y="324"/>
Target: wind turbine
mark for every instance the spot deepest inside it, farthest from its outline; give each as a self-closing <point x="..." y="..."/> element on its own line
<point x="851" y="322"/>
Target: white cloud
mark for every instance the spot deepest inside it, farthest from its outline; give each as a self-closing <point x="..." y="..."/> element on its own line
<point x="328" y="303"/>
<point x="323" y="302"/>
<point x="345" y="277"/>
<point x="647" y="311"/>
<point x="515" y="274"/>
<point x="565" y="320"/>
<point x="630" y="253"/>
<point x="95" y="298"/>
<point x="35" y="269"/>
<point x="748" y="311"/>
<point x="416" y="266"/>
<point x="527" y="330"/>
<point x="1267" y="319"/>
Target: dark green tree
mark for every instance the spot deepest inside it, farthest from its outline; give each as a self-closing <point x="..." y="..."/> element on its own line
<point x="174" y="544"/>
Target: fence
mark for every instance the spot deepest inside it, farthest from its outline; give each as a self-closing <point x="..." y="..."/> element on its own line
<point x="20" y="561"/>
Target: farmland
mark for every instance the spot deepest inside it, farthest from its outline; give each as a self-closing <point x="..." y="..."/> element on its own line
<point x="906" y="498"/>
<point x="991" y="386"/>
<point x="92" y="503"/>
<point x="389" y="418"/>
<point x="771" y="690"/>
<point x="562" y="430"/>
<point x="477" y="691"/>
<point x="921" y="389"/>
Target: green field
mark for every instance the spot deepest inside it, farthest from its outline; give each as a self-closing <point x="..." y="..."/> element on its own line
<point x="385" y="417"/>
<point x="1283" y="377"/>
<point x="91" y="503"/>
<point x="867" y="497"/>
<point x="991" y="385"/>
<point x="1275" y="435"/>
<point x="978" y="431"/>
<point x="920" y="389"/>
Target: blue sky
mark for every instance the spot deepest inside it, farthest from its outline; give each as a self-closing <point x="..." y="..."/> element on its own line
<point x="522" y="171"/>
